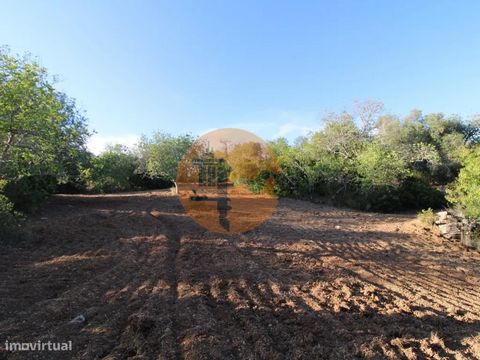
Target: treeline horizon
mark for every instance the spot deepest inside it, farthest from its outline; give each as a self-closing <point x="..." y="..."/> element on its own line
<point x="365" y="158"/>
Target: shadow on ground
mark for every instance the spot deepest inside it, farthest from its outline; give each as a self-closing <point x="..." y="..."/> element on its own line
<point x="152" y="284"/>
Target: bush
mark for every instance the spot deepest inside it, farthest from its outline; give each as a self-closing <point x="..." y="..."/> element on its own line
<point x="6" y="212"/>
<point x="465" y="191"/>
<point x="28" y="192"/>
<point x="416" y="193"/>
<point x="383" y="198"/>
<point x="70" y="187"/>
<point x="378" y="162"/>
<point x="411" y="194"/>
<point x="252" y="165"/>
<point x="426" y="216"/>
<point x="110" y="171"/>
<point x="9" y="219"/>
<point x="476" y="239"/>
<point x="144" y="182"/>
<point x="377" y="165"/>
<point x="263" y="183"/>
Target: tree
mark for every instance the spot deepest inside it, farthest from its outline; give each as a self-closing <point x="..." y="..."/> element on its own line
<point x="368" y="113"/>
<point x="378" y="166"/>
<point x="161" y="154"/>
<point x="41" y="131"/>
<point x="465" y="191"/>
<point x="341" y="136"/>
<point x="111" y="170"/>
<point x="472" y="130"/>
<point x="254" y="164"/>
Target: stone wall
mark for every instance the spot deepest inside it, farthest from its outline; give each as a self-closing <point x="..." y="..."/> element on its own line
<point x="454" y="226"/>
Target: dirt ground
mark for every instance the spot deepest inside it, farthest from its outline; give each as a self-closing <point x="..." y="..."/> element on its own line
<point x="313" y="282"/>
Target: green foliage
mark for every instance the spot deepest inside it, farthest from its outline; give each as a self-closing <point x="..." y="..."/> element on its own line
<point x="475" y="236"/>
<point x="426" y="216"/>
<point x="41" y="131"/>
<point x="363" y="158"/>
<point x="384" y="198"/>
<point x="254" y="165"/>
<point x="145" y="182"/>
<point x="8" y="220"/>
<point x="160" y="155"/>
<point x="377" y="165"/>
<point x="431" y="144"/>
<point x="416" y="193"/>
<point x="412" y="193"/>
<point x="28" y="192"/>
<point x="111" y="171"/>
<point x="341" y="136"/>
<point x="376" y="161"/>
<point x="7" y="215"/>
<point x="465" y="191"/>
<point x="296" y="174"/>
<point x="471" y="131"/>
<point x="42" y="134"/>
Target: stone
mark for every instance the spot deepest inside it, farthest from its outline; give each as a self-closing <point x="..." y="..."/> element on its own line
<point x="78" y="320"/>
<point x="450" y="231"/>
<point x="441" y="217"/>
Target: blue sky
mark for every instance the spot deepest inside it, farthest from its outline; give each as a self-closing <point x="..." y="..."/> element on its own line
<point x="272" y="67"/>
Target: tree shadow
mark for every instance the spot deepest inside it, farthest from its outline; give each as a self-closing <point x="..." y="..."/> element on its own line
<point x="154" y="284"/>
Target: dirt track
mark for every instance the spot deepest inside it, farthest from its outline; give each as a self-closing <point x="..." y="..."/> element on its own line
<point x="312" y="282"/>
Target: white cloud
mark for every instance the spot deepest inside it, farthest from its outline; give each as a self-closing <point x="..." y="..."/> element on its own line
<point x="203" y="132"/>
<point x="274" y="124"/>
<point x="269" y="125"/>
<point x="97" y="143"/>
<point x="293" y="130"/>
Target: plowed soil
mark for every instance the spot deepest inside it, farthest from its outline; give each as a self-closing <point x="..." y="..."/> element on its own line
<point x="313" y="282"/>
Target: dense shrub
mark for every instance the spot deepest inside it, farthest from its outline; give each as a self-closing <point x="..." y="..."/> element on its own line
<point x="384" y="198"/>
<point x="412" y="194"/>
<point x="465" y="191"/>
<point x="9" y="219"/>
<point x="363" y="158"/>
<point x="42" y="133"/>
<point x="377" y="166"/>
<point x="111" y="171"/>
<point x="253" y="165"/>
<point x="160" y="155"/>
<point x="145" y="182"/>
<point x="426" y="216"/>
<point x="28" y="192"/>
<point x="418" y="194"/>
<point x="379" y="162"/>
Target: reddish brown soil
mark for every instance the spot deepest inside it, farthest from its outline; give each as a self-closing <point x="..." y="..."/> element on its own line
<point x="313" y="282"/>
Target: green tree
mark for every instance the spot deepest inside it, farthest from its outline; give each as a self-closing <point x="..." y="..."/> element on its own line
<point x="161" y="154"/>
<point x="41" y="130"/>
<point x="253" y="164"/>
<point x="111" y="170"/>
<point x="341" y="136"/>
<point x="377" y="166"/>
<point x="42" y="133"/>
<point x="465" y="191"/>
<point x="296" y="174"/>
